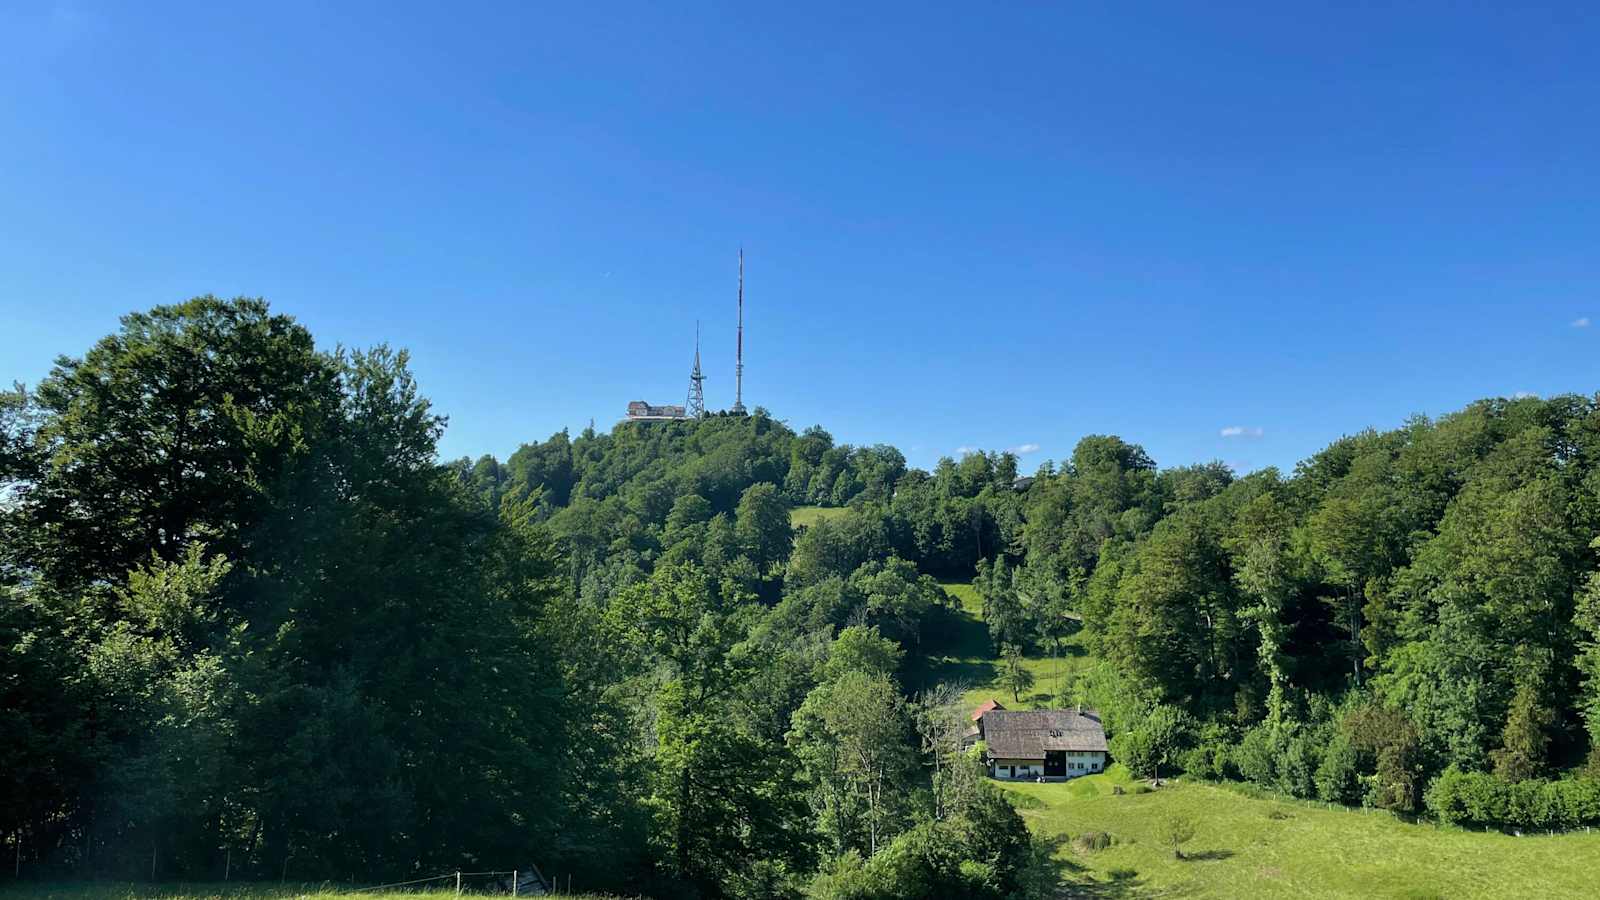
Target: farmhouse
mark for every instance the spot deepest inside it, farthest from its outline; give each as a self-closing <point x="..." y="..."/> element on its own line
<point x="1040" y="743"/>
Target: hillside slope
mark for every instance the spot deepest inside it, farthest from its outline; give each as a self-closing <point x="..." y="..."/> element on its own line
<point x="1247" y="847"/>
<point x="1252" y="845"/>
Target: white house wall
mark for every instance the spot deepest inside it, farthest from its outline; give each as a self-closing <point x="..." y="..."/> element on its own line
<point x="1078" y="763"/>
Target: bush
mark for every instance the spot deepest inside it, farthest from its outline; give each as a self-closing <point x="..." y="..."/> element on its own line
<point x="1209" y="760"/>
<point x="1336" y="778"/>
<point x="1477" y="798"/>
<point x="984" y="852"/>
<point x="1091" y="841"/>
<point x="1256" y="757"/>
<point x="1155" y="742"/>
<point x="1297" y="763"/>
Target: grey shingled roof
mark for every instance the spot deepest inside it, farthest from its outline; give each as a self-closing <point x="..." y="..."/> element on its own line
<point x="1028" y="733"/>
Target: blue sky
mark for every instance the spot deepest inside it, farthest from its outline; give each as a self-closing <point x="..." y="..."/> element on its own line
<point x="1224" y="233"/>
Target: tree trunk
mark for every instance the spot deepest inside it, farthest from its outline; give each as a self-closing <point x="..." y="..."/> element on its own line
<point x="682" y="836"/>
<point x="1355" y="638"/>
<point x="872" y="814"/>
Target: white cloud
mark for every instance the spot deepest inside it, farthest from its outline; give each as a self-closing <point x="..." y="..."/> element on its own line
<point x="1024" y="449"/>
<point x="1242" y="431"/>
<point x="963" y="450"/>
<point x="1581" y="322"/>
<point x="1523" y="395"/>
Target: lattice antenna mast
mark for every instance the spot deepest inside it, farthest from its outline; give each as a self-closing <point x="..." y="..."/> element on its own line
<point x="738" y="366"/>
<point x="695" y="407"/>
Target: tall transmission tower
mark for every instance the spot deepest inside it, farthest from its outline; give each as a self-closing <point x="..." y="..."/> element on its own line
<point x="695" y="407"/>
<point x="738" y="366"/>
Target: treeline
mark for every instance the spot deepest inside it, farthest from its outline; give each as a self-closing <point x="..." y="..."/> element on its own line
<point x="1405" y="604"/>
<point x="250" y="623"/>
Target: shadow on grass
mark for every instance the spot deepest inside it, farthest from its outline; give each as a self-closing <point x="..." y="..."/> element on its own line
<point x="1208" y="855"/>
<point x="958" y="633"/>
<point x="1075" y="881"/>
<point x="963" y="671"/>
<point x="957" y="650"/>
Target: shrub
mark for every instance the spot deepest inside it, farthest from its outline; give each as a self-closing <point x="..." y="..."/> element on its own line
<point x="1155" y="742"/>
<point x="983" y="852"/>
<point x="1336" y="780"/>
<point x="1176" y="831"/>
<point x="1209" y="760"/>
<point x="1478" y="798"/>
<point x="1297" y="762"/>
<point x="1091" y="841"/>
<point x="1257" y="756"/>
<point x="1197" y="762"/>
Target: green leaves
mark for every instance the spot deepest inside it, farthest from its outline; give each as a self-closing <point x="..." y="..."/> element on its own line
<point x="177" y="601"/>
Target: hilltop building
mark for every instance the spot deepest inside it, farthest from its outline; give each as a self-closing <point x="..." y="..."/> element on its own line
<point x="694" y="406"/>
<point x="641" y="411"/>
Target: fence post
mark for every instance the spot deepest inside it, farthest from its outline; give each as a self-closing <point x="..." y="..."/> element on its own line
<point x="227" y="866"/>
<point x="513" y="882"/>
<point x="458" y="882"/>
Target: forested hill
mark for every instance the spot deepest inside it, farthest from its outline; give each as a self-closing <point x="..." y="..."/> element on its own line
<point x="251" y="621"/>
<point x="1408" y="601"/>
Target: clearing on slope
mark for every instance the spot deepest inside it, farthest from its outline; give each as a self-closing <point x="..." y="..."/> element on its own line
<point x="1250" y="847"/>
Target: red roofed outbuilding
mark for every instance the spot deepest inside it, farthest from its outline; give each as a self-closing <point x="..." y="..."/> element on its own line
<point x="986" y="707"/>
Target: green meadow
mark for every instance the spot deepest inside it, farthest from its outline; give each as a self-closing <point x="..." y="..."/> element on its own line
<point x="1244" y="845"/>
<point x="1251" y="847"/>
<point x="965" y="655"/>
<point x="106" y="890"/>
<point x="803" y="516"/>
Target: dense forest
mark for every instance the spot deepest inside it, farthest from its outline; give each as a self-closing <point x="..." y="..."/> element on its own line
<point x="251" y="619"/>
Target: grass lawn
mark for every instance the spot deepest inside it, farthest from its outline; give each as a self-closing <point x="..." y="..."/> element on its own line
<point x="110" y="890"/>
<point x="1246" y="847"/>
<point x="964" y="654"/>
<point x="1243" y="846"/>
<point x="801" y="516"/>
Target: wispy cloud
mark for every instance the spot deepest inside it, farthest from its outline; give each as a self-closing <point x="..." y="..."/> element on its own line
<point x="1580" y="322"/>
<point x="1242" y="431"/>
<point x="1524" y="395"/>
<point x="963" y="450"/>
<point x="1024" y="449"/>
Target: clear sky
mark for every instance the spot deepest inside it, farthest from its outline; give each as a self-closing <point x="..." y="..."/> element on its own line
<point x="1220" y="231"/>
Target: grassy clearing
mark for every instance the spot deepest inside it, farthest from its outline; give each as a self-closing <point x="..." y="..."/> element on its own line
<point x="802" y="516"/>
<point x="965" y="654"/>
<point x="107" y="890"/>
<point x="1248" y="847"/>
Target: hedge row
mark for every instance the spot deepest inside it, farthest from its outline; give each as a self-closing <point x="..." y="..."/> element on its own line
<point x="1475" y="798"/>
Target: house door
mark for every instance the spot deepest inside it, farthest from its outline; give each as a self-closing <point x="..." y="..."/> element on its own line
<point x="1055" y="762"/>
